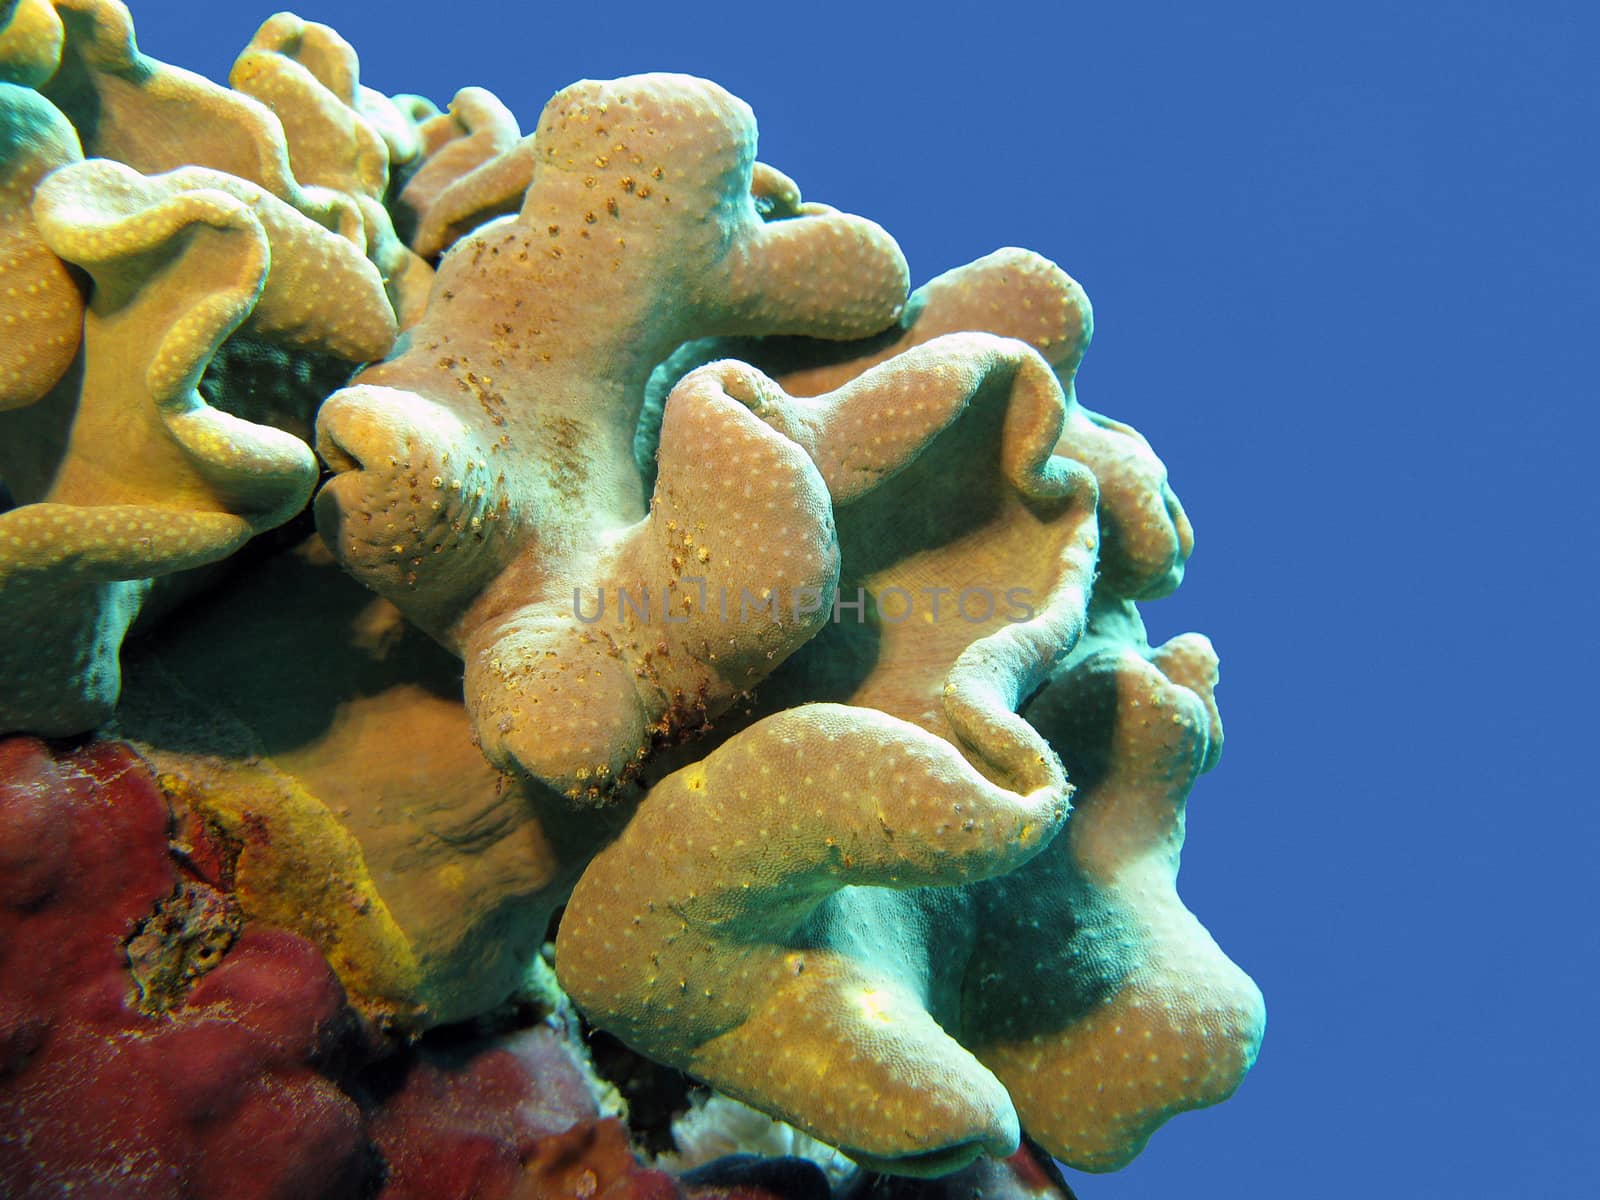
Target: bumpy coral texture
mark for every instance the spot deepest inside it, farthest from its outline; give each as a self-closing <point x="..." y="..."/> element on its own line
<point x="690" y="533"/>
<point x="486" y="475"/>
<point x="1015" y="293"/>
<point x="1131" y="1013"/>
<point x="473" y="165"/>
<point x="191" y="229"/>
<point x="1126" y="1011"/>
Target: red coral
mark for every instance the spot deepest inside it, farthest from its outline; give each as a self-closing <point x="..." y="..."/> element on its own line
<point x="508" y="1119"/>
<point x="591" y="1161"/>
<point x="219" y="1096"/>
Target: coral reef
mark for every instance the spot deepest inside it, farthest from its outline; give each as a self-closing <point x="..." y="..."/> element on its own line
<point x="675" y="583"/>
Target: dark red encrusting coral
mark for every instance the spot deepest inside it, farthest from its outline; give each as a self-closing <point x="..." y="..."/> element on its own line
<point x="512" y="1117"/>
<point x="83" y="858"/>
<point x="224" y="1095"/>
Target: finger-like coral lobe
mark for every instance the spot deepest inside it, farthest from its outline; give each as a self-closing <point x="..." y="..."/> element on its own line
<point x="745" y="957"/>
<point x="30" y="42"/>
<point x="473" y="165"/>
<point x="1013" y="293"/>
<point x="124" y="472"/>
<point x="1123" y="1011"/>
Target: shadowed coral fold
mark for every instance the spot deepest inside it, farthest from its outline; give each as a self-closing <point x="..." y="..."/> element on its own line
<point x="1124" y="1011"/>
<point x="1013" y="293"/>
<point x="473" y="165"/>
<point x="740" y="957"/>
<point x="131" y="474"/>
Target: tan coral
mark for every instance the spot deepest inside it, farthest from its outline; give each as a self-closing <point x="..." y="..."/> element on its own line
<point x="474" y="165"/>
<point x="41" y="305"/>
<point x="785" y="919"/>
<point x="30" y="43"/>
<point x="308" y="75"/>
<point x="155" y="117"/>
<point x="125" y="473"/>
<point x="1014" y="293"/>
<point x="1098" y="998"/>
<point x="745" y="951"/>
<point x="427" y="878"/>
<point x="968" y="548"/>
<point x="486" y="480"/>
<point x="340" y="136"/>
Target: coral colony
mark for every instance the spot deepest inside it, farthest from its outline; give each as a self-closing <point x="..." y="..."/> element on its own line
<point x="414" y="531"/>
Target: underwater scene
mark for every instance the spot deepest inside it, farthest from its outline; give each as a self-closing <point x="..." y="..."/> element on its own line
<point x="541" y="659"/>
<point x="551" y="650"/>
